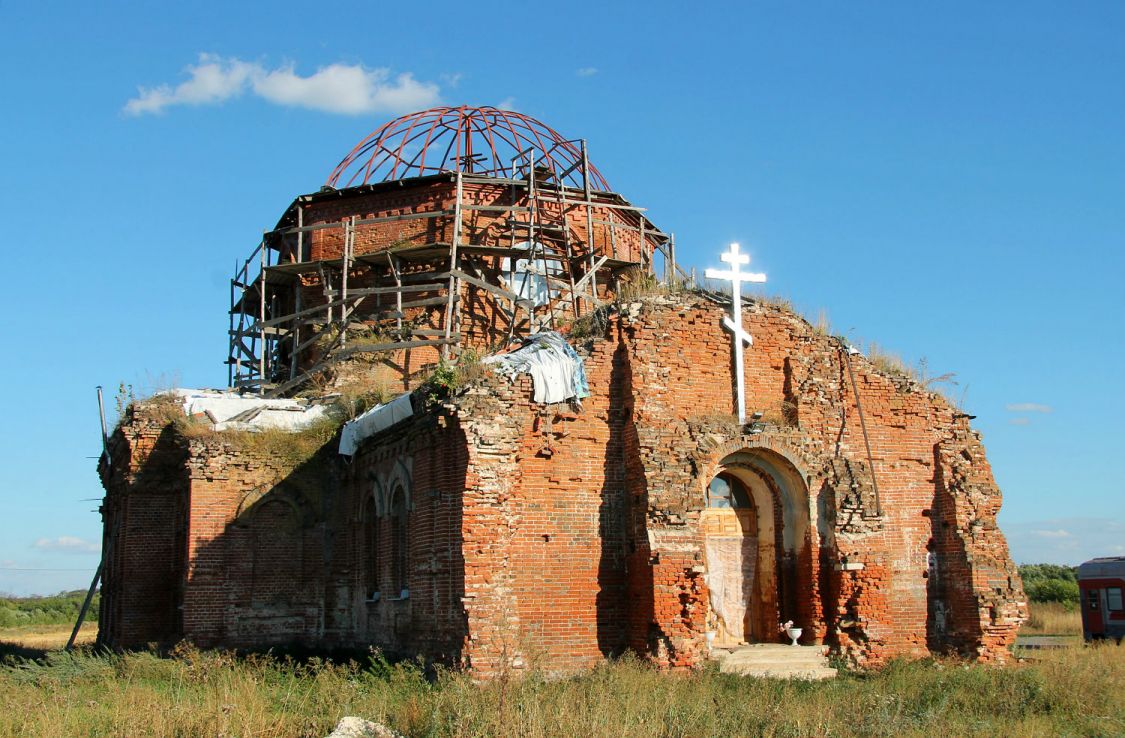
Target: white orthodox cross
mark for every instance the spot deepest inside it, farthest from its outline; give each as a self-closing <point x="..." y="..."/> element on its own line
<point x="737" y="277"/>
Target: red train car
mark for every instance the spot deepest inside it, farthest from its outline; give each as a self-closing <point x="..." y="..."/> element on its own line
<point x="1102" y="585"/>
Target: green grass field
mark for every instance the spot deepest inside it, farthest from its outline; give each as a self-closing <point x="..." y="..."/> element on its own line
<point x="1071" y="692"/>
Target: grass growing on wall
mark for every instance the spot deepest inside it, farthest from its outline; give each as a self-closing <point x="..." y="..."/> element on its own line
<point x="1070" y="692"/>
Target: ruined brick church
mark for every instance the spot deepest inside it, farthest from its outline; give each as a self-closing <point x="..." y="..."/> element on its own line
<point x="553" y="471"/>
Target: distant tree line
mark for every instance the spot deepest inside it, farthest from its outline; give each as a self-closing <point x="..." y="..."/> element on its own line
<point x="1050" y="583"/>
<point x="59" y="609"/>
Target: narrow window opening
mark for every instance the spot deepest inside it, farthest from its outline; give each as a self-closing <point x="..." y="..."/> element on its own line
<point x="371" y="549"/>
<point x="401" y="543"/>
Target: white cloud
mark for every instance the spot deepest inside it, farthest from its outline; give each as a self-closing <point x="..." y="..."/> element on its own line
<point x="337" y="88"/>
<point x="212" y="81"/>
<point x="508" y="103"/>
<point x="1028" y="407"/>
<point x="587" y="71"/>
<point x="1060" y="533"/>
<point x="1019" y="421"/>
<point x="67" y="544"/>
<point x="1063" y="540"/>
<point x="452" y="79"/>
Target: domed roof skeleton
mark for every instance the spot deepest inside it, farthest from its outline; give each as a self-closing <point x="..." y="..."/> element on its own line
<point x="352" y="239"/>
<point x="474" y="140"/>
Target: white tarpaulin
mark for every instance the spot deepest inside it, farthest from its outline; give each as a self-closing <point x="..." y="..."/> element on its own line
<point x="231" y="411"/>
<point x="555" y="367"/>
<point x="374" y="420"/>
<point x="528" y="277"/>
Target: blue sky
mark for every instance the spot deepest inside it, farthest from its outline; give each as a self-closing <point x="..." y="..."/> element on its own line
<point x="946" y="181"/>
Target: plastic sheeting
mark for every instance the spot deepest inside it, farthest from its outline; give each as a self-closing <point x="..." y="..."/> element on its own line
<point x="231" y="411"/>
<point x="376" y="419"/>
<point x="555" y="367"/>
<point x="528" y="277"/>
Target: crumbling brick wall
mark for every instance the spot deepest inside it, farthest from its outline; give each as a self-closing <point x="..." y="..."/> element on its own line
<point x="554" y="536"/>
<point x="861" y="574"/>
<point x="143" y="514"/>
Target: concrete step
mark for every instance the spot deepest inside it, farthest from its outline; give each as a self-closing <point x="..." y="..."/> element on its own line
<point x="777" y="661"/>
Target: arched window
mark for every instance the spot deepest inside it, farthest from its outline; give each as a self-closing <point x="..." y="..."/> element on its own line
<point x="370" y="549"/>
<point x="277" y="555"/>
<point x="727" y="491"/>
<point x="400" y="541"/>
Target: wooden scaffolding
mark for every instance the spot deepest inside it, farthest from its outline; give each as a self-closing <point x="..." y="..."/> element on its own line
<point x="280" y="334"/>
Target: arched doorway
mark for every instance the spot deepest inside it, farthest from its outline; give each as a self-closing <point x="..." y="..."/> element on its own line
<point x="754" y="529"/>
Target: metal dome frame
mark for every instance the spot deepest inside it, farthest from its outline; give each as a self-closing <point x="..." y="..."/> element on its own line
<point x="473" y="140"/>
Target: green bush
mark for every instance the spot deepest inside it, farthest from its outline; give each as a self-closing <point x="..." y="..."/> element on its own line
<point x="1053" y="590"/>
<point x="59" y="609"/>
<point x="1050" y="583"/>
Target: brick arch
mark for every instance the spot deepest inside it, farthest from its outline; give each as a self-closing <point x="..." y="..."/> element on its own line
<point x="378" y="492"/>
<point x="277" y="550"/>
<point x="254" y="500"/>
<point x="398" y="474"/>
<point x="790" y="589"/>
<point x="760" y="441"/>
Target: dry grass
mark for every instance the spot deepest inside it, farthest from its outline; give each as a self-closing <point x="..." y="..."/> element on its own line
<point x="1071" y="692"/>
<point x="49" y="637"/>
<point x="1053" y="618"/>
<point x="776" y="301"/>
<point x="822" y="325"/>
<point x="634" y="283"/>
<point x="888" y="362"/>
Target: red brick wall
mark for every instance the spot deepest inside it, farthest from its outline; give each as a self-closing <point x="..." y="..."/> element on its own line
<point x="552" y="536"/>
<point x="479" y="227"/>
<point x="143" y="513"/>
<point x="481" y="319"/>
<point x="680" y="360"/>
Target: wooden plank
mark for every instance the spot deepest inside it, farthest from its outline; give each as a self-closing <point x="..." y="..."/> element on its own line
<point x="307" y="311"/>
<point x="364" y="221"/>
<point x="427" y="302"/>
<point x="282" y="232"/>
<point x="589" y="221"/>
<point x="296" y="330"/>
<point x="497" y="208"/>
<point x="590" y="274"/>
<point x="424" y="275"/>
<point x="454" y="285"/>
<point x="262" y="315"/>
<point x="392" y="290"/>
<point x="610" y="205"/>
<point x="349" y="239"/>
<point x="405" y="216"/>
<point x="392" y="346"/>
<point x="485" y="285"/>
<point x="316" y="337"/>
<point x="267" y="330"/>
<point x="304" y="267"/>
<point x="398" y="293"/>
<point x="493" y="180"/>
